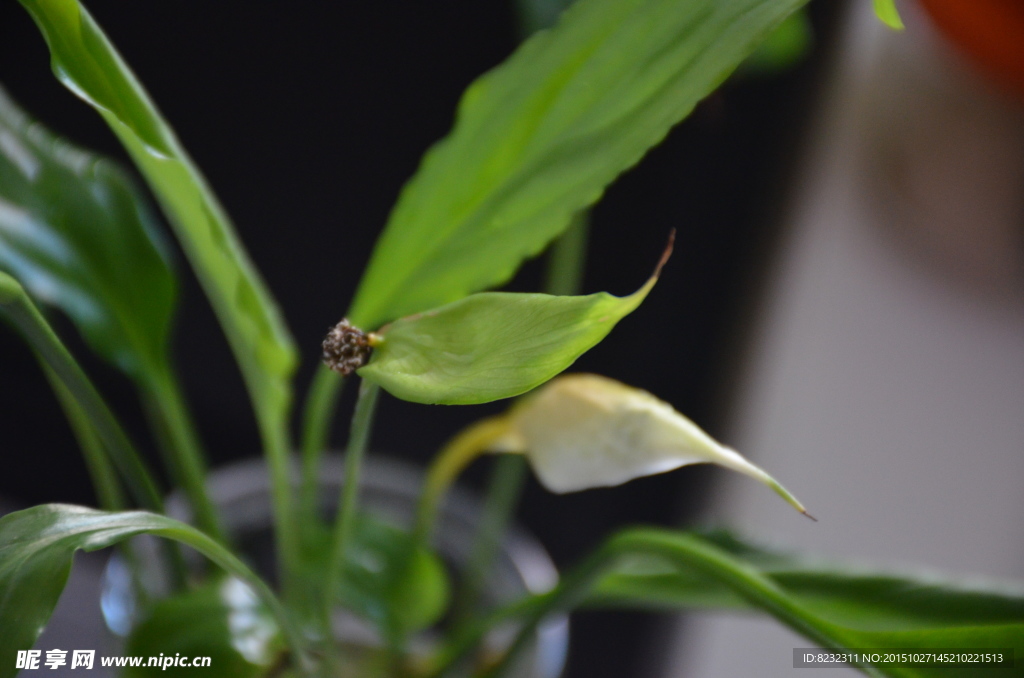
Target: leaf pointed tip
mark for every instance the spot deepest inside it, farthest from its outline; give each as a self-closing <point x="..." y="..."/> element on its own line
<point x="888" y="14"/>
<point x="666" y="255"/>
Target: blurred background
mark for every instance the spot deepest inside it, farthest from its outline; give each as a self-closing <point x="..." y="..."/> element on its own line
<point x="844" y="305"/>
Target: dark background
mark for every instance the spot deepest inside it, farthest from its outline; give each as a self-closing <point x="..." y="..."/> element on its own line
<point x="307" y="123"/>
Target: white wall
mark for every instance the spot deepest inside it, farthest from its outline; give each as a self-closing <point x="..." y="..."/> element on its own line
<point x="886" y="384"/>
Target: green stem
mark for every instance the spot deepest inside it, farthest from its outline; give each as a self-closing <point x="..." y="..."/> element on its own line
<point x="567" y="257"/>
<point x="185" y="455"/>
<point x="14" y="302"/>
<point x="344" y="524"/>
<point x="316" y="431"/>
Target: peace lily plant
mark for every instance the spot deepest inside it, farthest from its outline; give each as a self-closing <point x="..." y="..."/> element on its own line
<point x="535" y="143"/>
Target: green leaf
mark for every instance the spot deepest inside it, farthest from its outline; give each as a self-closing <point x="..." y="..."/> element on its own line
<point x="380" y="582"/>
<point x="493" y="345"/>
<point x="851" y="596"/>
<point x="78" y="235"/>
<point x="400" y="593"/>
<point x="87" y="63"/>
<point x="223" y="620"/>
<point x="889" y="15"/>
<point x="539" y="138"/>
<point x="853" y="608"/>
<point x="36" y="550"/>
<point x="17" y="307"/>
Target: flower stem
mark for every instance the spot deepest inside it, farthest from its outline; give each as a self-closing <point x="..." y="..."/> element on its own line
<point x="321" y="401"/>
<point x="566" y="258"/>
<point x="344" y="524"/>
<point x="446" y="467"/>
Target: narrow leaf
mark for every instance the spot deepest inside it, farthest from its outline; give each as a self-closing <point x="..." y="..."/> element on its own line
<point x="889" y="15"/>
<point x="539" y="138"/>
<point x="87" y="63"/>
<point x="493" y="345"/>
<point x="78" y="235"/>
<point x="17" y="307"/>
<point x="710" y="575"/>
<point x="36" y="550"/>
<point x="857" y="597"/>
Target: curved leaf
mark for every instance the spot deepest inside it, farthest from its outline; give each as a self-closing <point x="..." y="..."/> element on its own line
<point x="78" y="235"/>
<point x="856" y="597"/>
<point x="539" y="138"/>
<point x="223" y="620"/>
<point x="17" y="307"/>
<point x="492" y="345"/>
<point x="87" y="63"/>
<point x="691" y="570"/>
<point x="36" y="550"/>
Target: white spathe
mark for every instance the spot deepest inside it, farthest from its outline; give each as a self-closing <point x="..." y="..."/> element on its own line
<point x="582" y="431"/>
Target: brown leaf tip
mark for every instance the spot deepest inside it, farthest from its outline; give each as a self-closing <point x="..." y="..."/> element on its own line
<point x="666" y="254"/>
<point x="346" y="348"/>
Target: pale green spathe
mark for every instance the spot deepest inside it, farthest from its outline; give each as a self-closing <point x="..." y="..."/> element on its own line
<point x="583" y="431"/>
<point x="492" y="345"/>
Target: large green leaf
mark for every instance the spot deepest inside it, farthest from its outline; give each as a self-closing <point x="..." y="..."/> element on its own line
<point x="539" y="138"/>
<point x="856" y="597"/>
<point x="836" y="608"/>
<point x="36" y="550"/>
<point x="86" y="62"/>
<point x="492" y="345"/>
<point x="666" y="569"/>
<point x="222" y="620"/>
<point x="78" y="235"/>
